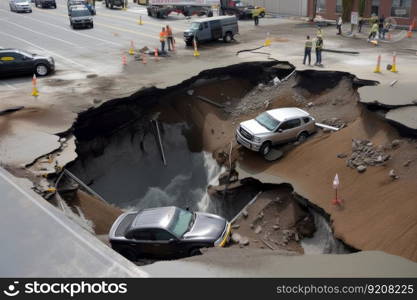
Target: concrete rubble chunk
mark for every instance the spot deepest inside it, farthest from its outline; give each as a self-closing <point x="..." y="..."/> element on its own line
<point x="190" y="92"/>
<point x="407" y="163"/>
<point x="361" y="168"/>
<point x="245" y="213"/>
<point x="399" y="94"/>
<point x="392" y="174"/>
<point x="258" y="229"/>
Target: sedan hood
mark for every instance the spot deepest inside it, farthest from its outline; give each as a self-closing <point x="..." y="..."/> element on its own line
<point x="82" y="18"/>
<point x="206" y="227"/>
<point x="254" y="127"/>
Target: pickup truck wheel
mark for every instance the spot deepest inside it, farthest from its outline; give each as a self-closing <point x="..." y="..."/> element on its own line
<point x="210" y="14"/>
<point x="302" y="137"/>
<point x="262" y="14"/>
<point x="128" y="253"/>
<point x="228" y="37"/>
<point x="265" y="148"/>
<point x="194" y="252"/>
<point x="41" y="69"/>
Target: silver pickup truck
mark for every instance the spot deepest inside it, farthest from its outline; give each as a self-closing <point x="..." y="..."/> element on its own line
<point x="273" y="127"/>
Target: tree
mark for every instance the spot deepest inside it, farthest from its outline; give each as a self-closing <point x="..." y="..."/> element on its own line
<point x="362" y="5"/>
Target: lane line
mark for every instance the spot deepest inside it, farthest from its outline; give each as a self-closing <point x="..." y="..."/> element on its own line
<point x="110" y="26"/>
<point x="8" y="85"/>
<point x="40" y="33"/>
<point x="145" y="21"/>
<point x="46" y="51"/>
<point x="72" y="31"/>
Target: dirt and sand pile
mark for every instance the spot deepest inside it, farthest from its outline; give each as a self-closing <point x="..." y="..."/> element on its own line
<point x="275" y="221"/>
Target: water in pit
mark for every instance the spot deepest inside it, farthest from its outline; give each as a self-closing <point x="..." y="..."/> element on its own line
<point x="323" y="241"/>
<point x="130" y="173"/>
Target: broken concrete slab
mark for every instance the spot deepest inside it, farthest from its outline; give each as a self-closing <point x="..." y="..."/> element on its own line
<point x="11" y="109"/>
<point x="385" y="95"/>
<point x="404" y="117"/>
<point x="22" y="147"/>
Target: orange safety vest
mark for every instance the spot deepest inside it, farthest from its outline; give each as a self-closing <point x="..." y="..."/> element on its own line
<point x="162" y="36"/>
<point x="168" y="32"/>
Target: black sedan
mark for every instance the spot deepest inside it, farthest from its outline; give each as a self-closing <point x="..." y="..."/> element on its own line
<point x="167" y="231"/>
<point x="18" y="62"/>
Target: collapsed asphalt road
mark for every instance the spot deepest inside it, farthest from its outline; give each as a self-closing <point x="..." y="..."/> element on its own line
<point x="116" y="144"/>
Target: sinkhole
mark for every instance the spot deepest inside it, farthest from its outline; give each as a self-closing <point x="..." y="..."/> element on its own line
<point x="155" y="148"/>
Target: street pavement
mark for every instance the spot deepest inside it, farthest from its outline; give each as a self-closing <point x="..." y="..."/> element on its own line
<point x="81" y="51"/>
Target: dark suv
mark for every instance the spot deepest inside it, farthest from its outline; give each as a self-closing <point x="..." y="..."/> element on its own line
<point x="18" y="62"/>
<point x="167" y="231"/>
<point x="45" y="3"/>
<point x="80" y="16"/>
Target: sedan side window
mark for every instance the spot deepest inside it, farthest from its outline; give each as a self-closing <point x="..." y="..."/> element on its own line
<point x="290" y="124"/>
<point x="162" y="235"/>
<point x="140" y="235"/>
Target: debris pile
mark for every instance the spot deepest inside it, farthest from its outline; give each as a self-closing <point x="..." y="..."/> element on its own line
<point x="365" y="154"/>
<point x="335" y="122"/>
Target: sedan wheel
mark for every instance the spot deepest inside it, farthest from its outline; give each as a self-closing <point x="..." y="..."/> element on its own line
<point x="41" y="70"/>
<point x="302" y="137"/>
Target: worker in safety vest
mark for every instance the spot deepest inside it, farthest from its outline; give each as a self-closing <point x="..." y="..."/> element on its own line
<point x="307" y="50"/>
<point x="170" y="38"/>
<point x="373" y="32"/>
<point x="255" y="16"/>
<point x="162" y="39"/>
<point x="319" y="31"/>
<point x="319" y="48"/>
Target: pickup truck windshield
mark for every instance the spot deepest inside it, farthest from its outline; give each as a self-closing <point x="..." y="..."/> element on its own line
<point x="267" y="121"/>
<point x="181" y="222"/>
<point x="195" y="26"/>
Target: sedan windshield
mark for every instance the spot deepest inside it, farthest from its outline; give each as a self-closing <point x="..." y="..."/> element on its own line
<point x="181" y="222"/>
<point x="21" y="1"/>
<point x="267" y="121"/>
<point x="80" y="13"/>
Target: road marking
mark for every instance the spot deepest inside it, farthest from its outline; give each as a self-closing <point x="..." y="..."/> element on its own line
<point x="127" y="30"/>
<point x="145" y="21"/>
<point x="109" y="26"/>
<point x="8" y="85"/>
<point x="40" y="33"/>
<point x="46" y="51"/>
<point x="72" y="31"/>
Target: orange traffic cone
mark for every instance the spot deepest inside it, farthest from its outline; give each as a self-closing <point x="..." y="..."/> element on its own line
<point x="196" y="53"/>
<point x="378" y="65"/>
<point x="132" y="48"/>
<point x="35" y="92"/>
<point x="156" y="54"/>
<point x="394" y="63"/>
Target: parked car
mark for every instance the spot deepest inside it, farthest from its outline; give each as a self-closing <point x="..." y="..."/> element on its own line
<point x="80" y="3"/>
<point x="167" y="231"/>
<point x="211" y="29"/>
<point x="80" y="16"/>
<point x="17" y="62"/>
<point x="20" y="6"/>
<point x="113" y="3"/>
<point x="45" y="3"/>
<point x="273" y="127"/>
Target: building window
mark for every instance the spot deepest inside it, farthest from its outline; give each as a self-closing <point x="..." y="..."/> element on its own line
<point x="321" y="6"/>
<point x="339" y="6"/>
<point x="401" y="8"/>
<point x="375" y="8"/>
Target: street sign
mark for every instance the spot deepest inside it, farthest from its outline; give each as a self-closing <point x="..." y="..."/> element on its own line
<point x="354" y="18"/>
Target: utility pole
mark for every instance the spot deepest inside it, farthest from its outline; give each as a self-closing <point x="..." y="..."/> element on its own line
<point x="313" y="16"/>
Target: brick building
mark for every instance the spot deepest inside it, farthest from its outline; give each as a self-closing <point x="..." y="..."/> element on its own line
<point x="403" y="11"/>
